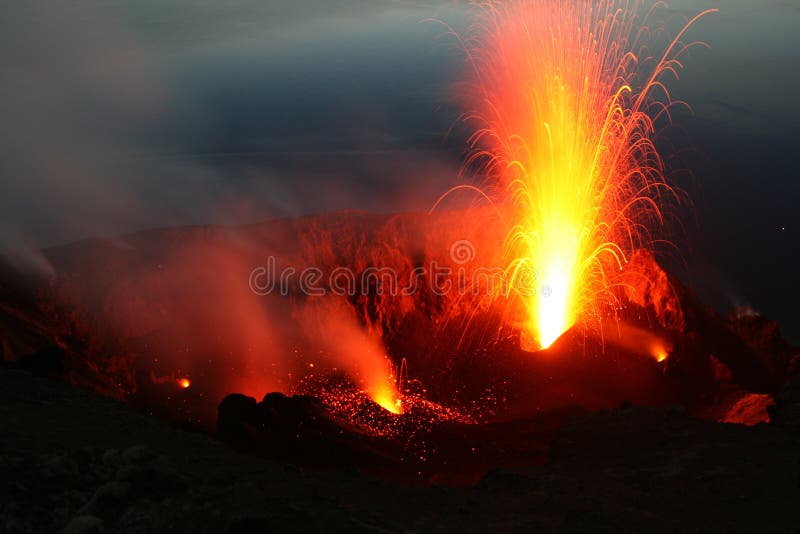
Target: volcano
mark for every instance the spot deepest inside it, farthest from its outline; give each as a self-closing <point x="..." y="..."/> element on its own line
<point x="527" y="355"/>
<point x="170" y="322"/>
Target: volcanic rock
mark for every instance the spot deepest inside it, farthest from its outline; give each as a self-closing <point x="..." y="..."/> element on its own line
<point x="293" y="428"/>
<point x="234" y="412"/>
<point x="659" y="297"/>
<point x="640" y="470"/>
<point x="281" y="420"/>
<point x="84" y="524"/>
<point x="664" y="300"/>
<point x="134" y="315"/>
<point x="764" y="337"/>
<point x="47" y="361"/>
<point x="786" y="411"/>
<point x="794" y="369"/>
<point x="751" y="409"/>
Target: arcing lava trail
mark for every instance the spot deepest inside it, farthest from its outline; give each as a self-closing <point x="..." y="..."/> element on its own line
<point x="565" y="97"/>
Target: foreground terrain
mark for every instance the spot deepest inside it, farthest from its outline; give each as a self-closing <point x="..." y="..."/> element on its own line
<point x="71" y="459"/>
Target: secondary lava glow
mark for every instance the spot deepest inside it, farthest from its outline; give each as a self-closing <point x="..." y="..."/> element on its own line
<point x="565" y="96"/>
<point x="405" y="414"/>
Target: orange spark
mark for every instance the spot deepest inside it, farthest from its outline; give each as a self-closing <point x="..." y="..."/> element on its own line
<point x="184" y="383"/>
<point x="660" y="354"/>
<point x="565" y="96"/>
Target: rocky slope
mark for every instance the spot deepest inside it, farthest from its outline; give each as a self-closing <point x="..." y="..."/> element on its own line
<point x="73" y="460"/>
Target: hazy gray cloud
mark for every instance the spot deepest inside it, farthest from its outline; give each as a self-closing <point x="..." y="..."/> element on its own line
<point x="78" y="96"/>
<point x="114" y="113"/>
<point x="188" y="25"/>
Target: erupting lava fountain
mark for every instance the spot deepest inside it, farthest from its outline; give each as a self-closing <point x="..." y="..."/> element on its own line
<point x="565" y="95"/>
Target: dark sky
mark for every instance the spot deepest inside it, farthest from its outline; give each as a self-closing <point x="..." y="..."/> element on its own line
<point x="121" y="115"/>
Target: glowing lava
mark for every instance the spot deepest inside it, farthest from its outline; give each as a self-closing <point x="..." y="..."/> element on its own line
<point x="357" y="351"/>
<point x="387" y="398"/>
<point x="566" y="96"/>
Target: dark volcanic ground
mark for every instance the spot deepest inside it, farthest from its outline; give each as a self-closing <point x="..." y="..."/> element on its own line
<point x="127" y="318"/>
<point x="73" y="460"/>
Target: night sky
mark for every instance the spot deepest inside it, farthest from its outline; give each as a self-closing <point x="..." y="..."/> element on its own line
<point x="129" y="114"/>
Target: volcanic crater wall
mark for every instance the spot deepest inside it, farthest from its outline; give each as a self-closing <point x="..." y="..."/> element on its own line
<point x="134" y="315"/>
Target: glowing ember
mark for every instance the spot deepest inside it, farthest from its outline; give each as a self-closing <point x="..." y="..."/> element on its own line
<point x="344" y="400"/>
<point x="345" y="344"/>
<point x="184" y="383"/>
<point x="564" y="96"/>
<point x="636" y="340"/>
<point x="387" y="399"/>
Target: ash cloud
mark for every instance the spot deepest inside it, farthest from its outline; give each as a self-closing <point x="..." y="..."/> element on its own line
<point x="81" y="101"/>
<point x="119" y="116"/>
